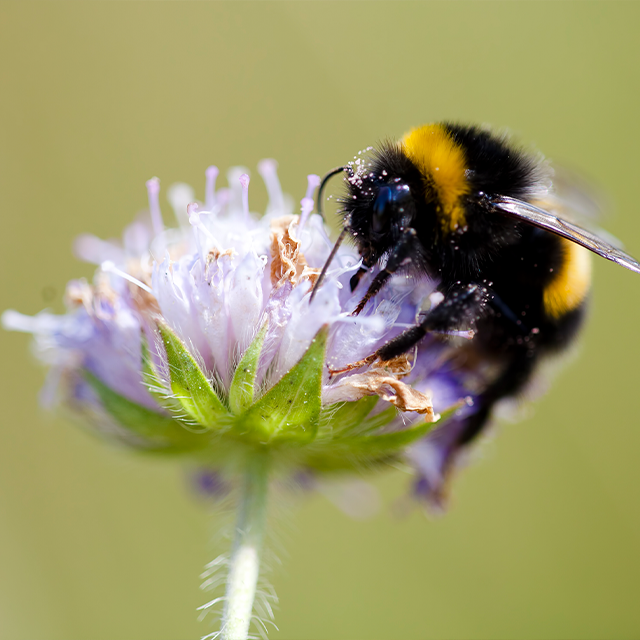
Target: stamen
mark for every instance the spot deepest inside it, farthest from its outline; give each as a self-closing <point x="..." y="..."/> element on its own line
<point x="337" y="273"/>
<point x="313" y="182"/>
<point x="153" y="189"/>
<point x="179" y="196"/>
<point x="223" y="198"/>
<point x="210" y="189"/>
<point x="267" y="169"/>
<point x="195" y="220"/>
<point x="14" y="321"/>
<point x="108" y="267"/>
<point x="244" y="181"/>
<point x="307" y="207"/>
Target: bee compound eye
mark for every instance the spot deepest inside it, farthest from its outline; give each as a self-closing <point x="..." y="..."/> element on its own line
<point x="381" y="209"/>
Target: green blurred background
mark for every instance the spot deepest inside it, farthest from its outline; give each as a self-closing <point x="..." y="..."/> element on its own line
<point x="541" y="541"/>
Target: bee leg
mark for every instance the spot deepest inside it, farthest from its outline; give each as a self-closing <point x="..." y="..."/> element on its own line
<point x="462" y="307"/>
<point x="355" y="279"/>
<point x="353" y="365"/>
<point x="374" y="287"/>
<point x="406" y="246"/>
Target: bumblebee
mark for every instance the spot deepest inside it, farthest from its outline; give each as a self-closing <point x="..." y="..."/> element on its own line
<point x="479" y="216"/>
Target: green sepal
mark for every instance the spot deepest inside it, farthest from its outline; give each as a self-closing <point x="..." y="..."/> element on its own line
<point x="340" y="419"/>
<point x="242" y="389"/>
<point x="158" y="431"/>
<point x="290" y="411"/>
<point x="380" y="420"/>
<point x="189" y="385"/>
<point x="156" y="387"/>
<point x="387" y="443"/>
<point x="365" y="444"/>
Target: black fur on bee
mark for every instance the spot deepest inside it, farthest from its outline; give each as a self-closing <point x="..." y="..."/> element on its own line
<point x="464" y="207"/>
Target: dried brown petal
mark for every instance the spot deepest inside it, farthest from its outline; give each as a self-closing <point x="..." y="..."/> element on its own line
<point x="380" y="381"/>
<point x="288" y="261"/>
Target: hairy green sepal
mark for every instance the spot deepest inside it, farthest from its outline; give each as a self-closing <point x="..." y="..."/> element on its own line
<point x="157" y="431"/>
<point x="350" y="438"/>
<point x="288" y="418"/>
<point x="290" y="410"/>
<point x="189" y="386"/>
<point x="242" y="389"/>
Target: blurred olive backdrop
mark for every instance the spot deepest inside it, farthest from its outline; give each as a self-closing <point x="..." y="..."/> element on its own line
<point x="541" y="541"/>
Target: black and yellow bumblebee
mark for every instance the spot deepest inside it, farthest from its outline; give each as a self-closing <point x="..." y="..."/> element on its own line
<point x="467" y="208"/>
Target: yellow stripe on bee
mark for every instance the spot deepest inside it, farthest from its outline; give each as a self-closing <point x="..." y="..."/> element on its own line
<point x="443" y="165"/>
<point x="571" y="284"/>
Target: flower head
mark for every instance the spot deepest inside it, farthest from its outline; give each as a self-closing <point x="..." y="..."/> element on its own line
<point x="202" y="340"/>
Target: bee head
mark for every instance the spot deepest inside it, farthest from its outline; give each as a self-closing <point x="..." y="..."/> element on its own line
<point x="377" y="210"/>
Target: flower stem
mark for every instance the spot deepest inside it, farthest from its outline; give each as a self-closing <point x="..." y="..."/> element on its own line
<point x="244" y="566"/>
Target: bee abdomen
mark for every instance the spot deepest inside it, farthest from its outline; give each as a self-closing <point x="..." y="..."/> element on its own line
<point x="570" y="285"/>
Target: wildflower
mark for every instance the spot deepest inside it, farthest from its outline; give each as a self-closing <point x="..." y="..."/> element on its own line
<point x="186" y="331"/>
<point x="201" y="341"/>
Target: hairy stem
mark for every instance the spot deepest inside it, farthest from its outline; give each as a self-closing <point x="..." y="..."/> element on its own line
<point x="244" y="566"/>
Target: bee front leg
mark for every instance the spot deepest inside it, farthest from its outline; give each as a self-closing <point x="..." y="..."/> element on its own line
<point x="462" y="307"/>
<point x="406" y="247"/>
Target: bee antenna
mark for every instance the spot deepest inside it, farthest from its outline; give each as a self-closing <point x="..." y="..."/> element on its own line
<point x="323" y="273"/>
<point x="328" y="176"/>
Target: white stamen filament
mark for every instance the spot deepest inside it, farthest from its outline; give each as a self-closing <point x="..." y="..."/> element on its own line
<point x="313" y="182"/>
<point x="195" y="220"/>
<point x="244" y="181"/>
<point x="153" y="189"/>
<point x="307" y="208"/>
<point x="210" y="189"/>
<point x="267" y="170"/>
<point x="108" y="267"/>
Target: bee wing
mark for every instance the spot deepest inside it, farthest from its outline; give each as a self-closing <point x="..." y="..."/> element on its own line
<point x="575" y="198"/>
<point x="546" y="220"/>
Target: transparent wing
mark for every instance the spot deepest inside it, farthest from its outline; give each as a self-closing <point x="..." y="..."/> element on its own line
<point x="575" y="198"/>
<point x="546" y="220"/>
